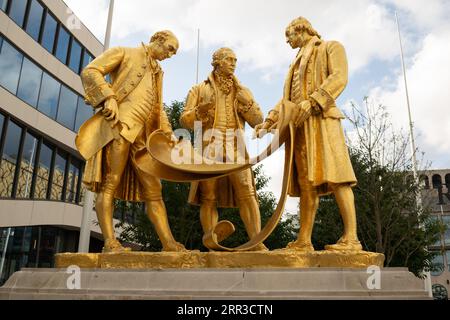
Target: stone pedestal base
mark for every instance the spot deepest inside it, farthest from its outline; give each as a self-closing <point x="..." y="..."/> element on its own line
<point x="209" y="284"/>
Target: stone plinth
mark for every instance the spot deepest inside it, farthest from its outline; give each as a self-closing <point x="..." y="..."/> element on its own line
<point x="208" y="284"/>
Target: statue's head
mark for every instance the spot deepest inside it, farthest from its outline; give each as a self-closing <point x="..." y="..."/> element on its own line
<point x="164" y="45"/>
<point x="224" y="61"/>
<point x="299" y="32"/>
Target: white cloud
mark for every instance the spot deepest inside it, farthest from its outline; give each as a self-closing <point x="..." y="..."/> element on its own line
<point x="429" y="14"/>
<point x="428" y="81"/>
<point x="255" y="29"/>
<point x="93" y="14"/>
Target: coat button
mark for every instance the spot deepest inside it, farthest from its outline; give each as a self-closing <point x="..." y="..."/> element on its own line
<point x="139" y="75"/>
<point x="144" y="66"/>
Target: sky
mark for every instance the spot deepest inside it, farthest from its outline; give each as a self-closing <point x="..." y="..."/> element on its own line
<point x="254" y="29"/>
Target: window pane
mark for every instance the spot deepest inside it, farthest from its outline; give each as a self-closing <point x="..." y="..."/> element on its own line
<point x="438" y="265"/>
<point x="446" y="220"/>
<point x="3" y="4"/>
<point x="62" y="46"/>
<point x="17" y="11"/>
<point x="2" y="120"/>
<point x="435" y="219"/>
<point x="67" y="107"/>
<point x="9" y="159"/>
<point x="82" y="193"/>
<point x="30" y="81"/>
<point x="48" y="35"/>
<point x="35" y="20"/>
<point x="43" y="173"/>
<point x="49" y="96"/>
<point x="48" y="247"/>
<point x="27" y="166"/>
<point x="84" y="112"/>
<point x="448" y="259"/>
<point x="10" y="64"/>
<point x="72" y="180"/>
<point x="58" y="175"/>
<point x="75" y="56"/>
<point x="87" y="58"/>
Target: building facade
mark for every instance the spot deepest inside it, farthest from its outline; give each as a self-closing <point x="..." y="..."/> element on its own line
<point x="436" y="195"/>
<point x="43" y="48"/>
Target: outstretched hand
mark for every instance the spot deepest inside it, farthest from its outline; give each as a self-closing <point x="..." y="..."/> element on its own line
<point x="111" y="111"/>
<point x="304" y="112"/>
<point x="262" y="129"/>
<point x="205" y="104"/>
<point x="203" y="108"/>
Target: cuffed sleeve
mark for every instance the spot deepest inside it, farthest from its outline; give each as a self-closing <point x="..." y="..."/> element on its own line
<point x="188" y="117"/>
<point x="93" y="76"/>
<point x="190" y="113"/>
<point x="166" y="127"/>
<point x="251" y="112"/>
<point x="335" y="83"/>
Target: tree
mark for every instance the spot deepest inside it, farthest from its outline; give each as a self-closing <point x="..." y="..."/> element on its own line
<point x="185" y="219"/>
<point x="390" y="220"/>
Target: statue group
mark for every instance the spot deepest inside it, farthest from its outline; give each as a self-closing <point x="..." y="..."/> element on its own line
<point x="130" y="109"/>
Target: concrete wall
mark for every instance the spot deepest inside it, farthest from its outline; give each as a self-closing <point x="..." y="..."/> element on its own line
<point x="37" y="120"/>
<point x="21" y="213"/>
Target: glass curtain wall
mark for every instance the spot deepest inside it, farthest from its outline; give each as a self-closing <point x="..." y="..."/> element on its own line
<point x="33" y="17"/>
<point x="33" y="168"/>
<point x="23" y="78"/>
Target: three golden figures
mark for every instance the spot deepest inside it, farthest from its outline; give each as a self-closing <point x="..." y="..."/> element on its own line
<point x="125" y="142"/>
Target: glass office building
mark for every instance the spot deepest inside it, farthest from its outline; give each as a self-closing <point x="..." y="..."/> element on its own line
<point x="436" y="195"/>
<point x="41" y="108"/>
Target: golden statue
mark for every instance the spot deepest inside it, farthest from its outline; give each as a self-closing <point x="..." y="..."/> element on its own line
<point x="221" y="105"/>
<point x="129" y="110"/>
<point x="322" y="166"/>
<point x="306" y="121"/>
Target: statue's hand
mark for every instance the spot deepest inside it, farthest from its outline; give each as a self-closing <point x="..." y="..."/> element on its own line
<point x="204" y="107"/>
<point x="262" y="129"/>
<point x="111" y="111"/>
<point x="205" y="104"/>
<point x="304" y="112"/>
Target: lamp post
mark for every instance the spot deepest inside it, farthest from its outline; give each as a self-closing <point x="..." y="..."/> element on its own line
<point x="85" y="228"/>
<point x="428" y="284"/>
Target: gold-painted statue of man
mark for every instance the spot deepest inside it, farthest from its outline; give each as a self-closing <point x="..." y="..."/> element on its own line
<point x="130" y="109"/>
<point x="316" y="78"/>
<point x="223" y="105"/>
